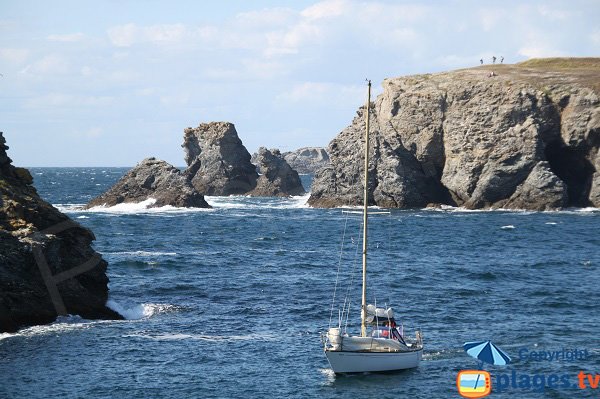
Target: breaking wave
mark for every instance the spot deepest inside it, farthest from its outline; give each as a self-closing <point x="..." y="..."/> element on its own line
<point x="140" y="311"/>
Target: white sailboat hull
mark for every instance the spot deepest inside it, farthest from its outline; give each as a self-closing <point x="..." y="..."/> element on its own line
<point x="360" y="362"/>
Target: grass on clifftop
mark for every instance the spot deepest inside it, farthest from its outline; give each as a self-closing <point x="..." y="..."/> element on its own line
<point x="561" y="63"/>
<point x="548" y="74"/>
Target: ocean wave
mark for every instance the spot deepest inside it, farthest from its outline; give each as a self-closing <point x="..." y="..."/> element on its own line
<point x="247" y="202"/>
<point x="128" y="208"/>
<point x="61" y="324"/>
<point x="460" y="209"/>
<point x="231" y="202"/>
<point x="141" y="253"/>
<point x="204" y="337"/>
<point x="140" y="311"/>
<point x="579" y="211"/>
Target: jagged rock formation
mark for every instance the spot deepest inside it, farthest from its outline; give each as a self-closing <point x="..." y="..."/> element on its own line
<point x="154" y="179"/>
<point x="277" y="178"/>
<point x="307" y="160"/>
<point x="527" y="137"/>
<point x="34" y="238"/>
<point x="218" y="163"/>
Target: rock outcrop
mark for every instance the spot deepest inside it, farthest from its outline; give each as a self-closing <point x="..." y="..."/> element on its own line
<point x="218" y="163"/>
<point x="277" y="178"/>
<point x="307" y="160"/>
<point x="152" y="179"/>
<point x="47" y="264"/>
<point x="526" y="137"/>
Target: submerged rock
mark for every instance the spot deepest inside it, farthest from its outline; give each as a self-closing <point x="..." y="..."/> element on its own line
<point x="518" y="139"/>
<point x="277" y="177"/>
<point x="218" y="163"/>
<point x="37" y="240"/>
<point x="152" y="179"/>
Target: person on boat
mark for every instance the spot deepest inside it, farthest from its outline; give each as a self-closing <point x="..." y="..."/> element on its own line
<point x="381" y="331"/>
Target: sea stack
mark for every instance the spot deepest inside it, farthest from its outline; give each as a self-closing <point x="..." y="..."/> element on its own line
<point x="155" y="180"/>
<point x="218" y="163"/>
<point x="277" y="178"/>
<point x="525" y="137"/>
<point x="47" y="264"/>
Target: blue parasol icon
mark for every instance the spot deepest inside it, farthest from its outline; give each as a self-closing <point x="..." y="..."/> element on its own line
<point x="486" y="352"/>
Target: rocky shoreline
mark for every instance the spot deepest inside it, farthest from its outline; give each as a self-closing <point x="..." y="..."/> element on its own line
<point x="47" y="264"/>
<point x="526" y="138"/>
<point x="155" y="179"/>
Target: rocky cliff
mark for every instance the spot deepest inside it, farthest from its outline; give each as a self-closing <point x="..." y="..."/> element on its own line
<point x="277" y="178"/>
<point x="307" y="160"/>
<point x="218" y="163"/>
<point x="154" y="179"/>
<point x="47" y="264"/>
<point x="525" y="136"/>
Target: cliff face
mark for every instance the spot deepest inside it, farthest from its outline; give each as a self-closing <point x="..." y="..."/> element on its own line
<point x="525" y="138"/>
<point x="155" y="179"/>
<point x="47" y="264"/>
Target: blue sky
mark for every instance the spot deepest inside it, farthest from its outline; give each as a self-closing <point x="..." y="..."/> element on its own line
<point x="108" y="83"/>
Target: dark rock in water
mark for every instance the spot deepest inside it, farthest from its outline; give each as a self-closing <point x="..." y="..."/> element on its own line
<point x="307" y="160"/>
<point x="277" y="177"/>
<point x="154" y="179"/>
<point x="34" y="238"/>
<point x="528" y="137"/>
<point x="218" y="163"/>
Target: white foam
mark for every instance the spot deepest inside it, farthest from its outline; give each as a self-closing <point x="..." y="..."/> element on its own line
<point x="508" y="227"/>
<point x="204" y="337"/>
<point x="247" y="202"/>
<point x="141" y="253"/>
<point x="139" y="311"/>
<point x="551" y="223"/>
<point x="6" y="335"/>
<point x="128" y="208"/>
<point x="61" y="324"/>
<point x="459" y="209"/>
<point x="584" y="211"/>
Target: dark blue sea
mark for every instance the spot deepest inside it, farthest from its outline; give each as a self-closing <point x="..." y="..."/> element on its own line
<point x="230" y="302"/>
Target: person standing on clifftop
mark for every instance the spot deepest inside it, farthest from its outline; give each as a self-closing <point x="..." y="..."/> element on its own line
<point x="501" y="59"/>
<point x="493" y="59"/>
<point x="481" y="61"/>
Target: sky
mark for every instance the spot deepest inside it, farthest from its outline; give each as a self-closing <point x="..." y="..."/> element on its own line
<point x="109" y="83"/>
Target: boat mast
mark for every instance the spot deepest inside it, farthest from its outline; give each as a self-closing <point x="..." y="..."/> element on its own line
<point x="363" y="315"/>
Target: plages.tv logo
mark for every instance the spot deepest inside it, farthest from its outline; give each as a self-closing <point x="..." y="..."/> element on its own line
<point x="474" y="383"/>
<point x="478" y="383"/>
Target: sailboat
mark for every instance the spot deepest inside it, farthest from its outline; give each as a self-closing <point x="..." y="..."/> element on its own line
<point x="381" y="345"/>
